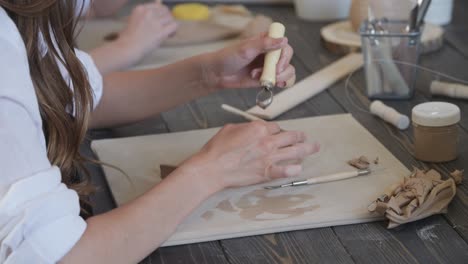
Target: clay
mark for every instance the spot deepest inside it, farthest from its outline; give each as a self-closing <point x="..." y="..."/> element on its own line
<point x="226" y="206"/>
<point x="435" y="144"/>
<point x="254" y="204"/>
<point x="420" y="195"/>
<point x="360" y="163"/>
<point x="208" y="215"/>
<point x="457" y="176"/>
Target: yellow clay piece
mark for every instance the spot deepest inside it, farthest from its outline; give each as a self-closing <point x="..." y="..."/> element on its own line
<point x="191" y="11"/>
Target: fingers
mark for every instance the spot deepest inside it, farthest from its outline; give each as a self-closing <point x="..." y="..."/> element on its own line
<point x="295" y="152"/>
<point x="285" y="139"/>
<point x="291" y="81"/>
<point x="169" y="29"/>
<point x="252" y="48"/>
<point x="285" y="76"/>
<point x="265" y="128"/>
<point x="285" y="59"/>
<point x="276" y="172"/>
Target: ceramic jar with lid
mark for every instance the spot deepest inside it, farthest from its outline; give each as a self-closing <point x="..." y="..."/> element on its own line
<point x="435" y="127"/>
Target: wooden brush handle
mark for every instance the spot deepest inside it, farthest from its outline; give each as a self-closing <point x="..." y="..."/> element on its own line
<point x="268" y="77"/>
<point x="334" y="177"/>
<point x="449" y="89"/>
<point x="389" y="115"/>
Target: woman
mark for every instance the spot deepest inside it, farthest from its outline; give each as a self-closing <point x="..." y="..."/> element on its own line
<point x="50" y="94"/>
<point x="147" y="27"/>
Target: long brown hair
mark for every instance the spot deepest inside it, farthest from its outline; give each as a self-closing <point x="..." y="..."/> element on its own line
<point x="64" y="111"/>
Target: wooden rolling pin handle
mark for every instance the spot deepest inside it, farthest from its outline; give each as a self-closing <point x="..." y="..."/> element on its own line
<point x="338" y="176"/>
<point x="268" y="78"/>
<point x="449" y="89"/>
<point x="389" y="115"/>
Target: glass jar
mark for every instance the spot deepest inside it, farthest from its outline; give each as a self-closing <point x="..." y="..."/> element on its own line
<point x="435" y="126"/>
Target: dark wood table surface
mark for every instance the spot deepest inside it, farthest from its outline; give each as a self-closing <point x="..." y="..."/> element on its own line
<point x="437" y="239"/>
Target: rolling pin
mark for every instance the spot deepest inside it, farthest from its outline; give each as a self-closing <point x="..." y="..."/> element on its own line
<point x="449" y="89"/>
<point x="268" y="77"/>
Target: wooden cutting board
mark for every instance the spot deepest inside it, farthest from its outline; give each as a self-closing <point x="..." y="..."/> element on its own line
<point x="253" y="210"/>
<point x="340" y="38"/>
<point x="192" y="37"/>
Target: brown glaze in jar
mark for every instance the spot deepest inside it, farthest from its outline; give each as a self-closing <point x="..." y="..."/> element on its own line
<point x="435" y="126"/>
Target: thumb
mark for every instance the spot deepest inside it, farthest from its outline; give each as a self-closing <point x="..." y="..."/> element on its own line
<point x="254" y="47"/>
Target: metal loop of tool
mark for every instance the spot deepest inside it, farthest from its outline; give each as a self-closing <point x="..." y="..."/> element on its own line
<point x="264" y="97"/>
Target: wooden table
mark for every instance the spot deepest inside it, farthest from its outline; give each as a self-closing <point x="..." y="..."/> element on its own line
<point x="438" y="239"/>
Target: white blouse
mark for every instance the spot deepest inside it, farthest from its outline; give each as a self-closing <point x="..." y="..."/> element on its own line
<point x="39" y="215"/>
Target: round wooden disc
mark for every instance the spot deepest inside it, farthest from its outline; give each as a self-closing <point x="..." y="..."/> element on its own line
<point x="340" y="38"/>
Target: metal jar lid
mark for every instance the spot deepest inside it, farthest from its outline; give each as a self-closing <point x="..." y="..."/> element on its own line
<point x="436" y="114"/>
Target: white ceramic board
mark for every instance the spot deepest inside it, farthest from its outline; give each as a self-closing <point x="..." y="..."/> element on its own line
<point x="253" y="210"/>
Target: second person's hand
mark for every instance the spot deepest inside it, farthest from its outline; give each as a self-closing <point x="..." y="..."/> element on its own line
<point x="147" y="27"/>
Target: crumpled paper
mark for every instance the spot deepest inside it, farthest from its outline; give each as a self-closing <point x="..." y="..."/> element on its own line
<point x="421" y="195"/>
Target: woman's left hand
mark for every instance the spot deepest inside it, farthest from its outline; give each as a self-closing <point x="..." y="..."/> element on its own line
<point x="240" y="66"/>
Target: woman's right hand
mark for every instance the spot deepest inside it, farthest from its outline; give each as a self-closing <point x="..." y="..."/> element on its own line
<point x="250" y="153"/>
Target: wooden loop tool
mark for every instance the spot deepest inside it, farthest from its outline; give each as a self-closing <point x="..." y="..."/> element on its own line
<point x="268" y="78"/>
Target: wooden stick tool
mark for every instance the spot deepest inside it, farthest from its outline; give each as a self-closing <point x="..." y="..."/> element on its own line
<point x="239" y="112"/>
<point x="268" y="78"/>
<point x="324" y="179"/>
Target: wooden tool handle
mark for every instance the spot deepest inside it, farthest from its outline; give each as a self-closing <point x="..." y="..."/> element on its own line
<point x="449" y="89"/>
<point x="334" y="177"/>
<point x="389" y="115"/>
<point x="236" y="111"/>
<point x="268" y="77"/>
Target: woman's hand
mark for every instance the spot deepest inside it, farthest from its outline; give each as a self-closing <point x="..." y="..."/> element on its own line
<point x="240" y="66"/>
<point x="249" y="153"/>
<point x="147" y="27"/>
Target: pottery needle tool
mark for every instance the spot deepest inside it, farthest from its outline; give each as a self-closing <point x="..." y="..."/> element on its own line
<point x="324" y="179"/>
<point x="268" y="77"/>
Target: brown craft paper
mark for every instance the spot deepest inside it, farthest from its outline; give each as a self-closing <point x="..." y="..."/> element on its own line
<point x="419" y="196"/>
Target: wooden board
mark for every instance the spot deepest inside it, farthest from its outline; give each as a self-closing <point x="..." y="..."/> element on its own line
<point x="191" y="39"/>
<point x="239" y="212"/>
<point x="340" y="38"/>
